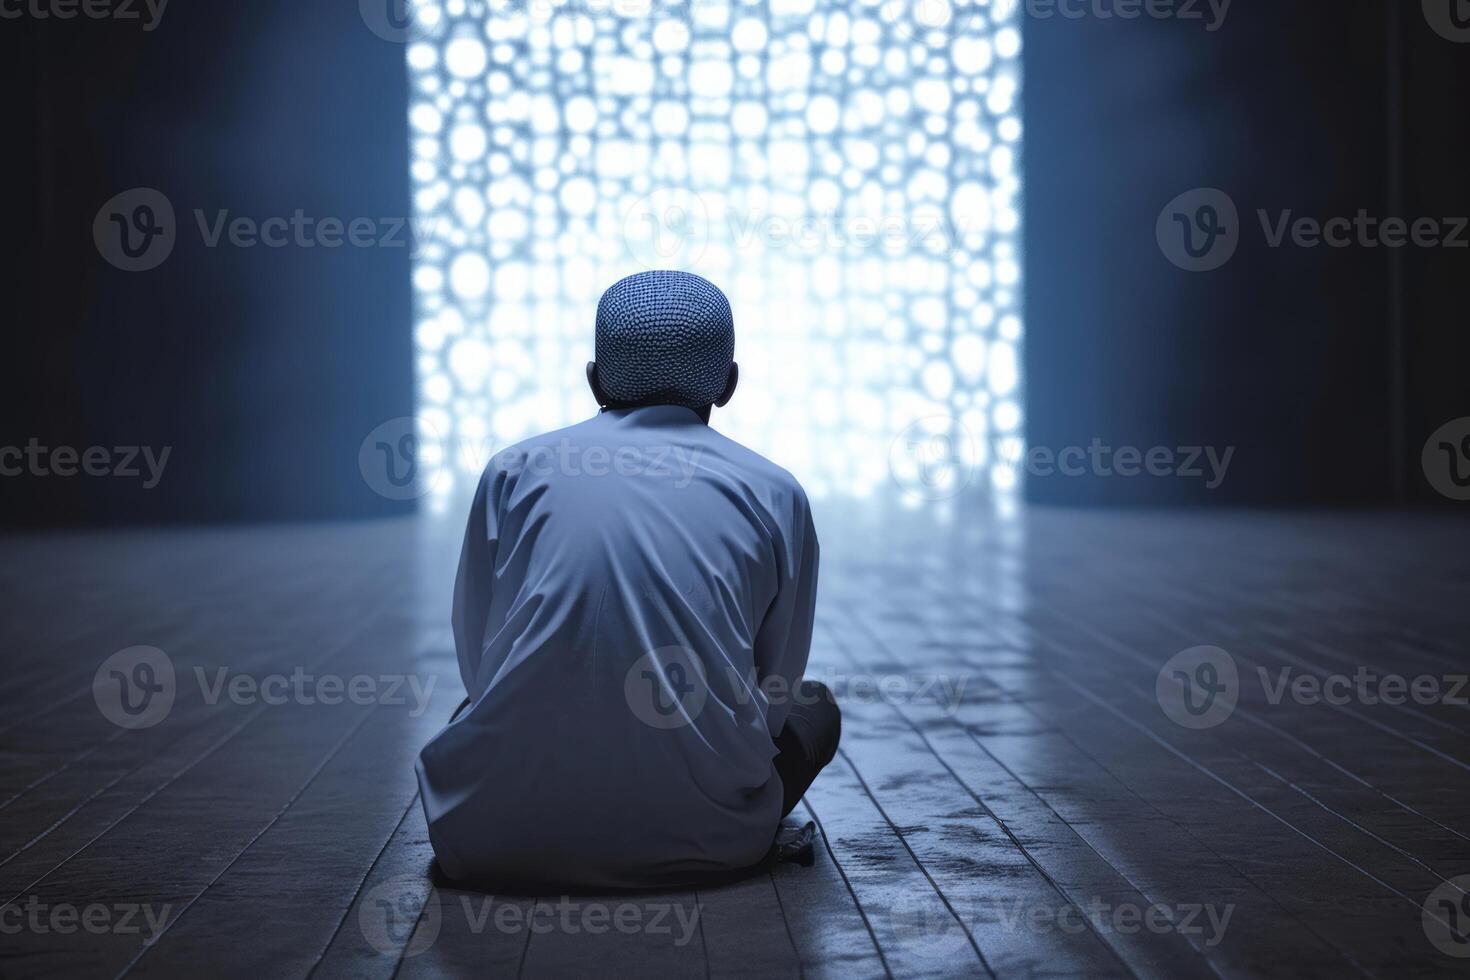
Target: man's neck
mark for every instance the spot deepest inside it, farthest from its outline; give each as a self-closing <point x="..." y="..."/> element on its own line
<point x="703" y="413"/>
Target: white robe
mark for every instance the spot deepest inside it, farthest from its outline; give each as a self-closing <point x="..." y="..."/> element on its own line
<point x="606" y="566"/>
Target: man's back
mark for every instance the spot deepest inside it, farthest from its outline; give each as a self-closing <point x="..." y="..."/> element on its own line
<point x="628" y="587"/>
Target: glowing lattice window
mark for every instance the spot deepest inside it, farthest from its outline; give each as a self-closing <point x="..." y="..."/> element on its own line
<point x="847" y="173"/>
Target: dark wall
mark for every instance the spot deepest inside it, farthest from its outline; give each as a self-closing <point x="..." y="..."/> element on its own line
<point x="1326" y="368"/>
<point x="1435" y="283"/>
<point x="262" y="368"/>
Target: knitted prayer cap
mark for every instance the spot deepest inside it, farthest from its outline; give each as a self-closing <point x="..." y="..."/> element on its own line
<point x="664" y="338"/>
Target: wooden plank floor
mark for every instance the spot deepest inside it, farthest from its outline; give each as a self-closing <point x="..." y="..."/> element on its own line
<point x="1010" y="798"/>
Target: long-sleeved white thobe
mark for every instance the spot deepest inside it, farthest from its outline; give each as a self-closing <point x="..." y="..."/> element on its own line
<point x="605" y="567"/>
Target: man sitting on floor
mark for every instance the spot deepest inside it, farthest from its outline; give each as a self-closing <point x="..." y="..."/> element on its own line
<point x="632" y="617"/>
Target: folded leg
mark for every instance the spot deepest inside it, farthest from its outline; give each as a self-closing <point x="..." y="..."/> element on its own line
<point x="807" y="742"/>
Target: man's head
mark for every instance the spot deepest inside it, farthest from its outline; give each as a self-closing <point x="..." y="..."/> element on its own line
<point x="664" y="338"/>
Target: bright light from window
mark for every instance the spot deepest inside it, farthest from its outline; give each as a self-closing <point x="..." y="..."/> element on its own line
<point x="848" y="173"/>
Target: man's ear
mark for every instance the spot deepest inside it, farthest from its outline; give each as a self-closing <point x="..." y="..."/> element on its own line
<point x="595" y="384"/>
<point x="730" y="381"/>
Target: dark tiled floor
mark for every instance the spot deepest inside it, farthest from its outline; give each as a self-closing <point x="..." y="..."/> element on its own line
<point x="1011" y="798"/>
